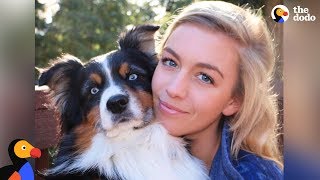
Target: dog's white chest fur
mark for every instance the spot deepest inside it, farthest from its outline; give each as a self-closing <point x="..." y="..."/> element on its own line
<point x="144" y="154"/>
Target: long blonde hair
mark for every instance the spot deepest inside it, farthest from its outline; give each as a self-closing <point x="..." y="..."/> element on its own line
<point x="254" y="125"/>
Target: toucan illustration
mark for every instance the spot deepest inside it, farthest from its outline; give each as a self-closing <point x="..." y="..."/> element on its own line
<point x="278" y="13"/>
<point x="20" y="169"/>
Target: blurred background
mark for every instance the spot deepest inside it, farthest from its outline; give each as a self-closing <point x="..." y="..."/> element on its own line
<point x="89" y="28"/>
<point x="34" y="32"/>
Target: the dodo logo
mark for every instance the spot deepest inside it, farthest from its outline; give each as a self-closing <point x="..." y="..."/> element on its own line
<point x="20" y="168"/>
<point x="280" y="13"/>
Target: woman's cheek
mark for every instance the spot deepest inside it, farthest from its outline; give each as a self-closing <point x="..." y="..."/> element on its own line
<point x="158" y="79"/>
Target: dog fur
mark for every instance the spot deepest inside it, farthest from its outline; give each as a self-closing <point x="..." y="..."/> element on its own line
<point x="108" y="126"/>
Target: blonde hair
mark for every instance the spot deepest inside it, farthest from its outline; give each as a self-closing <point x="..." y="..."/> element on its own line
<point x="254" y="125"/>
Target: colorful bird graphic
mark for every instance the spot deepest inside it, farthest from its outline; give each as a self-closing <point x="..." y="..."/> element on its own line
<point x="278" y="13"/>
<point x="20" y="169"/>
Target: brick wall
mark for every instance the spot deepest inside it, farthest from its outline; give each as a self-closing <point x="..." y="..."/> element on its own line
<point x="46" y="129"/>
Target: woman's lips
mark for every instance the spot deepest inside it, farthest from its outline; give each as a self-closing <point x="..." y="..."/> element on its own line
<point x="170" y="109"/>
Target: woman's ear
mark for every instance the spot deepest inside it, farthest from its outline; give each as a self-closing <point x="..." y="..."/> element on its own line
<point x="232" y="107"/>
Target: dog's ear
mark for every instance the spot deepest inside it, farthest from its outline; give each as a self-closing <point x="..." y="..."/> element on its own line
<point x="62" y="77"/>
<point x="140" y="37"/>
<point x="60" y="71"/>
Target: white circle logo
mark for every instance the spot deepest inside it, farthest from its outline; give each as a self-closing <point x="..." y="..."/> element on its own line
<point x="280" y="13"/>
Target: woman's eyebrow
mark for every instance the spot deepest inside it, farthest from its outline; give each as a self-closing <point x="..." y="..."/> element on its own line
<point x="200" y="64"/>
<point x="172" y="52"/>
<point x="209" y="66"/>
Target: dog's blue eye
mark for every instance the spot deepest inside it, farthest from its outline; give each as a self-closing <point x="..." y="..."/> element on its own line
<point x="94" y="90"/>
<point x="133" y="77"/>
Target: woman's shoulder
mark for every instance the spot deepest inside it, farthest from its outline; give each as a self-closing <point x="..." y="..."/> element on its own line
<point x="251" y="166"/>
<point x="245" y="165"/>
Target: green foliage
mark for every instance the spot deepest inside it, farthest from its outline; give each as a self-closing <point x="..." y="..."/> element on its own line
<point x="89" y="28"/>
<point x="86" y="28"/>
<point x="173" y="5"/>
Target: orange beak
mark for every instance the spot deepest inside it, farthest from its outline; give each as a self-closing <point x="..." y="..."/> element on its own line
<point x="35" y="153"/>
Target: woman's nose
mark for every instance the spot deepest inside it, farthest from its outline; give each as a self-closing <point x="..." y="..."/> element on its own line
<point x="178" y="86"/>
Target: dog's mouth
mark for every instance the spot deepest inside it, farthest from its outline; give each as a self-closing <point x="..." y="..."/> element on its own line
<point x="148" y="118"/>
<point x="128" y="121"/>
<point x="123" y="125"/>
<point x="142" y="125"/>
<point x="124" y="120"/>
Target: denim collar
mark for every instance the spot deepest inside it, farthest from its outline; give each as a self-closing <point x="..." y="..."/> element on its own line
<point x="223" y="167"/>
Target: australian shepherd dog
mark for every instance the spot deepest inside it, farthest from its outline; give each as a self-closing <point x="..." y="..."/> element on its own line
<point x="107" y="120"/>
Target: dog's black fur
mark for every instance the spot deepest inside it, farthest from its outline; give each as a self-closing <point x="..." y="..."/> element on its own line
<point x="67" y="79"/>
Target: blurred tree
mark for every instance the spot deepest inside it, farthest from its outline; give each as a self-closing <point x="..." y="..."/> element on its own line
<point x="172" y="5"/>
<point x="89" y="28"/>
<point x="86" y="28"/>
<point x="39" y="23"/>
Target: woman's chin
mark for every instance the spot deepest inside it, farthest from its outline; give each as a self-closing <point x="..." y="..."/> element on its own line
<point x="172" y="129"/>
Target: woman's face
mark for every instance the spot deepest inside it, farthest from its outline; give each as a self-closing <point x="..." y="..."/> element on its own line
<point x="193" y="82"/>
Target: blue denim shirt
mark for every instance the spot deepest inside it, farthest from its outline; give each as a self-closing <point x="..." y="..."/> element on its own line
<point x="245" y="166"/>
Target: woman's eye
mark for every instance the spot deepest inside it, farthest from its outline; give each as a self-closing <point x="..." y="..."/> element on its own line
<point x="24" y="147"/>
<point x="94" y="90"/>
<point x="132" y="77"/>
<point x="169" y="62"/>
<point x="205" y="78"/>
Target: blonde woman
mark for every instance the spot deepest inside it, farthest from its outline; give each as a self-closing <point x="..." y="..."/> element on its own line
<point x="212" y="86"/>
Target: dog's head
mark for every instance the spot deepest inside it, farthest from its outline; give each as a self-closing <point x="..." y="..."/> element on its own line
<point x="111" y="91"/>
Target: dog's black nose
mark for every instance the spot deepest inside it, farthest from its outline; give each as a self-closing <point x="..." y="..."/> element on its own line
<point x="117" y="104"/>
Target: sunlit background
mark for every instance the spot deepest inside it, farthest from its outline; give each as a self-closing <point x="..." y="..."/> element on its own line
<point x="90" y="28"/>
